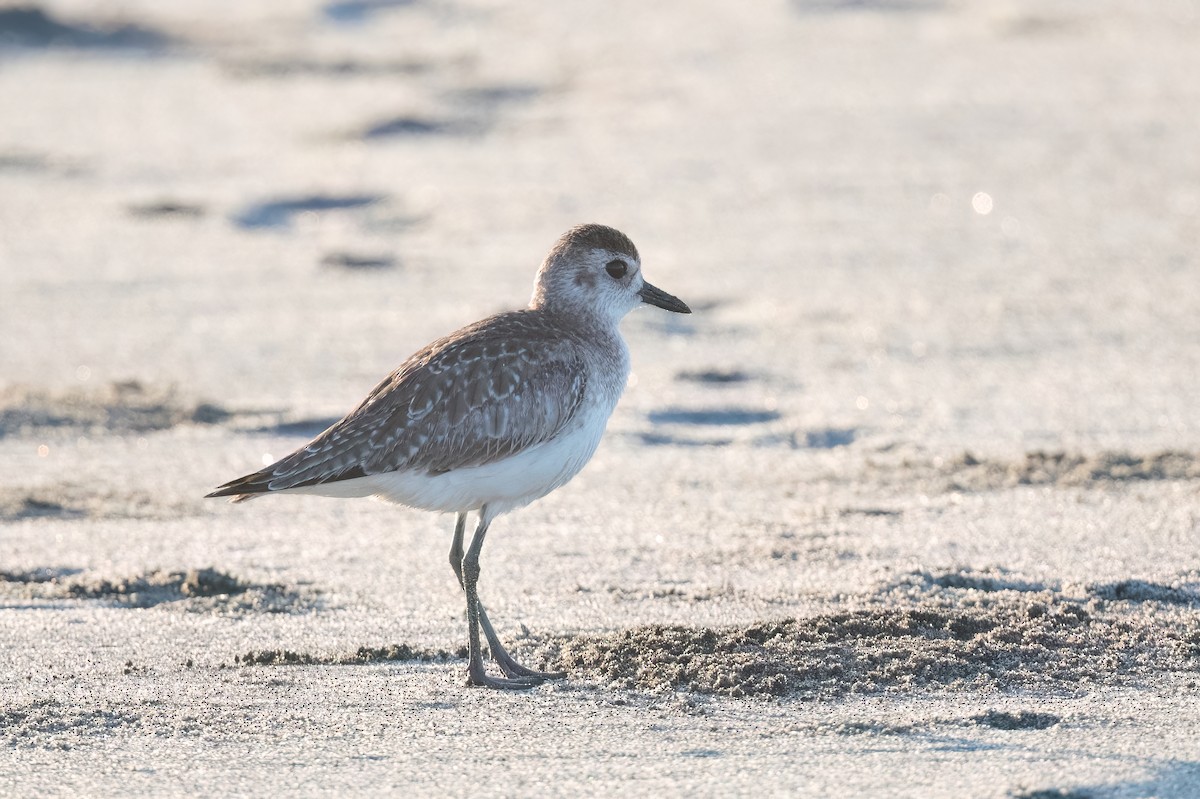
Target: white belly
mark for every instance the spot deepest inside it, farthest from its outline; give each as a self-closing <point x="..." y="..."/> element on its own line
<point x="503" y="486"/>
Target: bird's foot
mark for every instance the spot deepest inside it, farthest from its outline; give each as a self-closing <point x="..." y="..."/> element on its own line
<point x="477" y="676"/>
<point x="507" y="663"/>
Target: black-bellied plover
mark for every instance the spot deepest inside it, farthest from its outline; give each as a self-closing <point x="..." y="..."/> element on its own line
<point x="489" y="418"/>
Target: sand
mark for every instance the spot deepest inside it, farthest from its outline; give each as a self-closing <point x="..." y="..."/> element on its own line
<point x="909" y="506"/>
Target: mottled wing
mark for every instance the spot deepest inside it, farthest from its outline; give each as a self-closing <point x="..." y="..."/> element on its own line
<point x="483" y="394"/>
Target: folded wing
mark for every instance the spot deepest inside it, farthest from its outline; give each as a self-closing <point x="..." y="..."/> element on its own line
<point x="479" y="396"/>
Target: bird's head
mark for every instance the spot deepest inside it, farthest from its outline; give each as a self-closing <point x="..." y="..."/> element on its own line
<point x="595" y="270"/>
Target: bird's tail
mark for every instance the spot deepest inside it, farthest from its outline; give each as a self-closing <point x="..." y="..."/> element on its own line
<point x="243" y="489"/>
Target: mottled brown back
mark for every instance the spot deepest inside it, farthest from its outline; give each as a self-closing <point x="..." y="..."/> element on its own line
<point x="490" y="390"/>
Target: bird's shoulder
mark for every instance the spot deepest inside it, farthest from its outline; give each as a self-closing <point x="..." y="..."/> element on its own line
<point x="501" y="355"/>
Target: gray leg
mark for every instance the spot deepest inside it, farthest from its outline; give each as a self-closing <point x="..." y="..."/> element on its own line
<point x="456" y="548"/>
<point x="476" y="675"/>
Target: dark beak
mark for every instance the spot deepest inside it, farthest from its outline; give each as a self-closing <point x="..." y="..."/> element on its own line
<point x="656" y="296"/>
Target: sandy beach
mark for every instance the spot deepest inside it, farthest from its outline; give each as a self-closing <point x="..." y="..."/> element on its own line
<point x="908" y="507"/>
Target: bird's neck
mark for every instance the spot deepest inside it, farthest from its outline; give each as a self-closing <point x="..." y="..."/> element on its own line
<point x="584" y="319"/>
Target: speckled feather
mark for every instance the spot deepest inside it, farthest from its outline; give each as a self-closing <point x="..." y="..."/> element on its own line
<point x="489" y="390"/>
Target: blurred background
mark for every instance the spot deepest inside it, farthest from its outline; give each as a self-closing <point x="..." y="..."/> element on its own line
<point x="952" y="223"/>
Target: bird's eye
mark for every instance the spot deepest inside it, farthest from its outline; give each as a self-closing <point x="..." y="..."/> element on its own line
<point x="616" y="269"/>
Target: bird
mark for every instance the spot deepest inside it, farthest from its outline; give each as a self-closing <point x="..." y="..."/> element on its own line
<point x="489" y="418"/>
